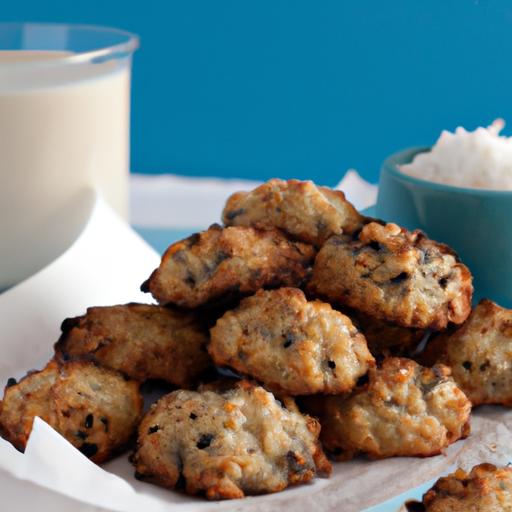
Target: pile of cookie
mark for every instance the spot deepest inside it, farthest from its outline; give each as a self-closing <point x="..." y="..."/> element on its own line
<point x="297" y="328"/>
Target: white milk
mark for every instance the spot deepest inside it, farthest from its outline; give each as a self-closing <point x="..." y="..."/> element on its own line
<point x="62" y="128"/>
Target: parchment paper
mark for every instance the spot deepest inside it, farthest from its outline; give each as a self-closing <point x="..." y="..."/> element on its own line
<point x="105" y="266"/>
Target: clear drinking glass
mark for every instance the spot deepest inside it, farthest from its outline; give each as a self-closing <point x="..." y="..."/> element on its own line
<point x="64" y="127"/>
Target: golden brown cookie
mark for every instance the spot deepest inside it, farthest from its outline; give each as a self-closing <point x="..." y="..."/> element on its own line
<point x="95" y="409"/>
<point x="394" y="275"/>
<point x="480" y="354"/>
<point x="306" y="212"/>
<point x="227" y="444"/>
<point x="291" y="345"/>
<point x="142" y="341"/>
<point x="26" y="399"/>
<point x="404" y="410"/>
<point x="223" y="262"/>
<point x="485" y="489"/>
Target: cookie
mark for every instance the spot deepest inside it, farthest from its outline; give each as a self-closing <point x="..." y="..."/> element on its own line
<point x="480" y="354"/>
<point x="300" y="208"/>
<point x="26" y="399"/>
<point x="403" y="410"/>
<point x="95" y="409"/>
<point x="485" y="489"/>
<point x="227" y="444"/>
<point x="394" y="275"/>
<point x="228" y="262"/>
<point x="142" y="341"/>
<point x="291" y="345"/>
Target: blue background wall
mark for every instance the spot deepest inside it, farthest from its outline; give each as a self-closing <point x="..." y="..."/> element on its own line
<point x="300" y="88"/>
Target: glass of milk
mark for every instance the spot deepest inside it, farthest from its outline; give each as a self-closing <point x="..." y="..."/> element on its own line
<point x="64" y="130"/>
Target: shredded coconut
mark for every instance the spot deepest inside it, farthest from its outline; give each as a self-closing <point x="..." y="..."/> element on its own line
<point x="479" y="159"/>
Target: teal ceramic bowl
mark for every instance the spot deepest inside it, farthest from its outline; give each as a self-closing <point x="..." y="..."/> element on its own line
<point x="476" y="223"/>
